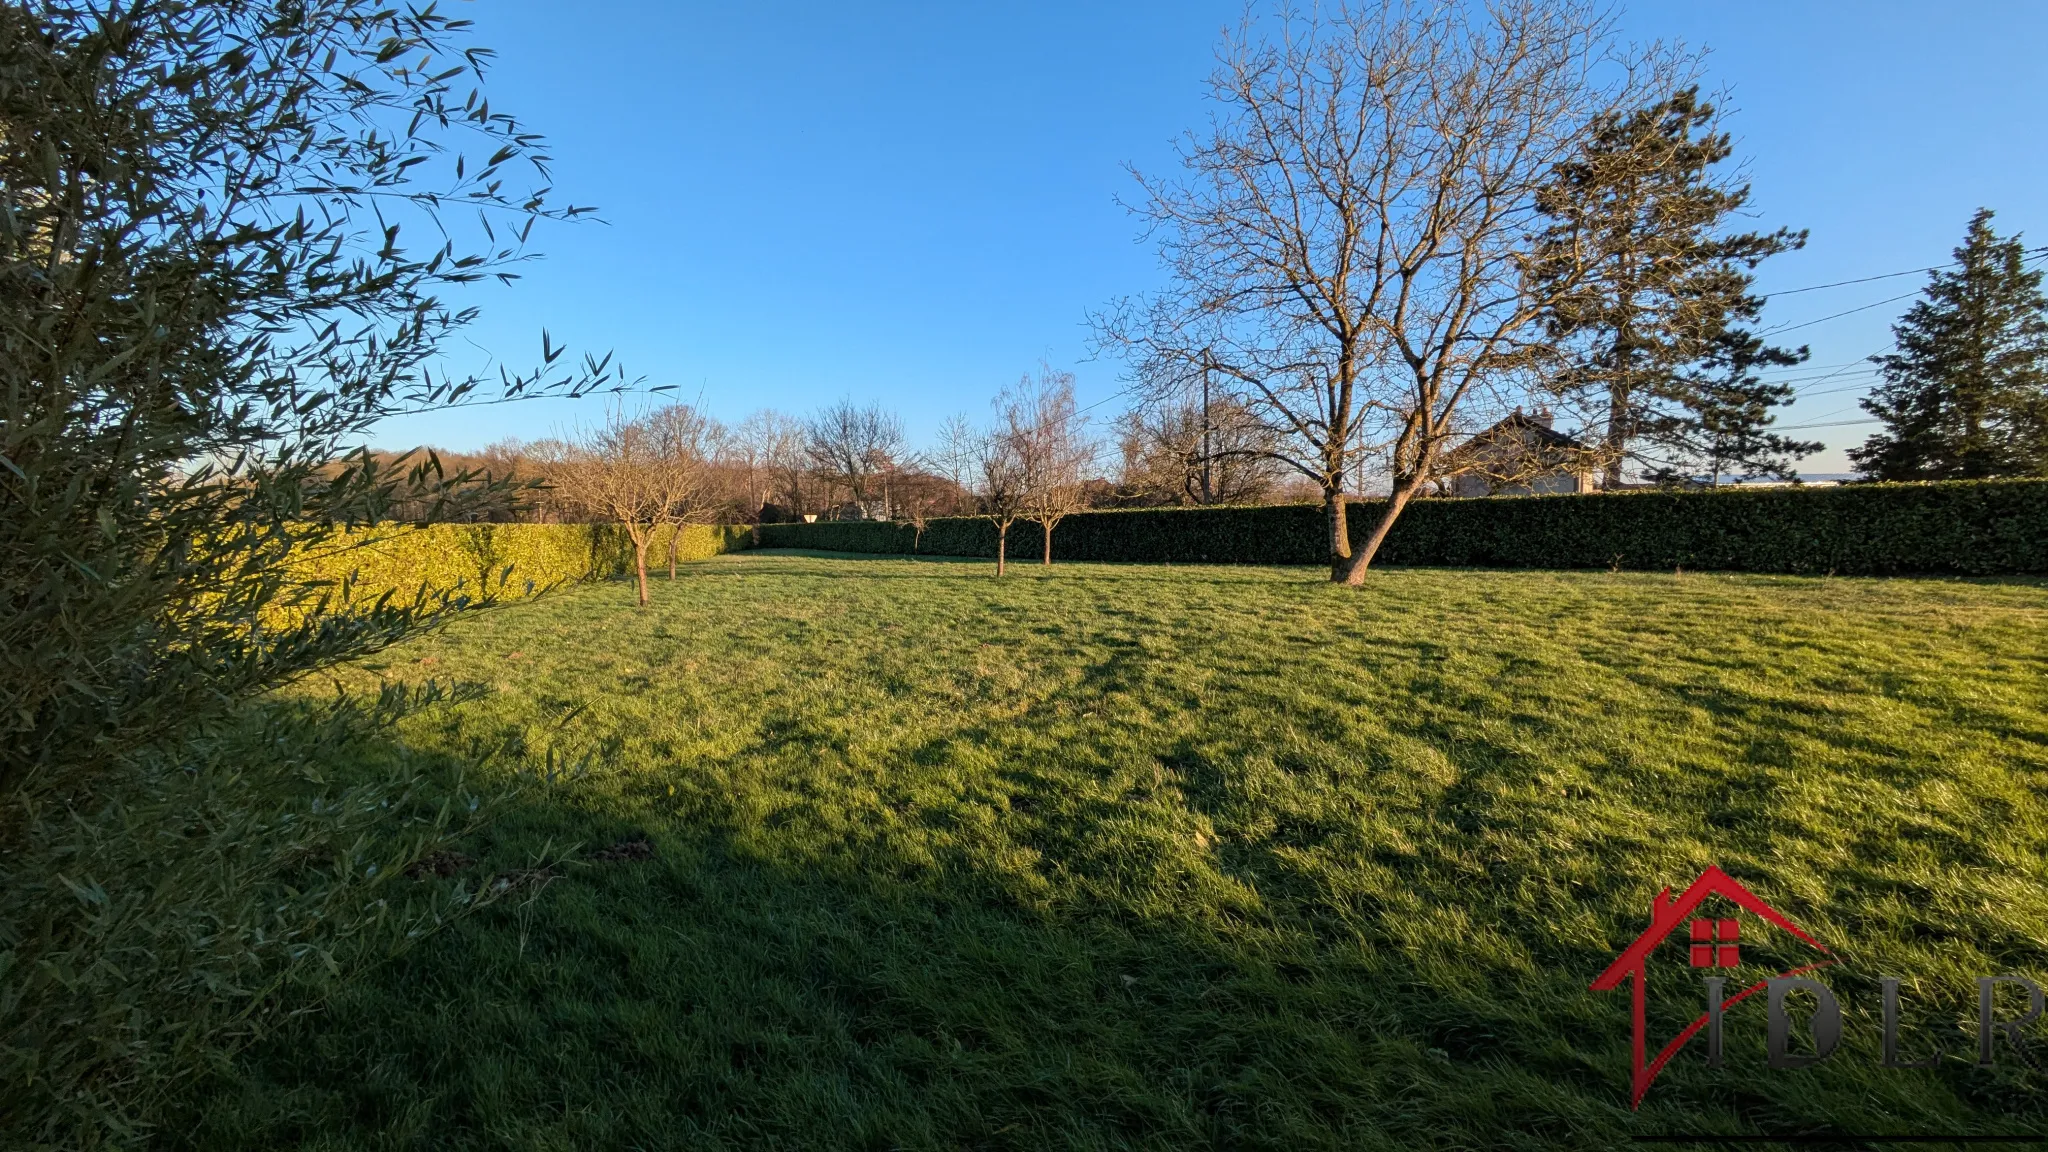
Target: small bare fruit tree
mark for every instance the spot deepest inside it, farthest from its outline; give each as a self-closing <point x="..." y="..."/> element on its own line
<point x="987" y="466"/>
<point x="615" y="473"/>
<point x="917" y="493"/>
<point x="1350" y="242"/>
<point x="1054" y="451"/>
<point x="683" y="443"/>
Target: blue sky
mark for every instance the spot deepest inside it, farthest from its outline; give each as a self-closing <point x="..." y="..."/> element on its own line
<point x="916" y="202"/>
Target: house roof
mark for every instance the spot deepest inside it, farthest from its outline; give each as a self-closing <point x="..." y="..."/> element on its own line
<point x="1519" y="421"/>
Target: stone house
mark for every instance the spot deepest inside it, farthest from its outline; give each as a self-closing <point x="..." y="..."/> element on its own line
<point x="1520" y="456"/>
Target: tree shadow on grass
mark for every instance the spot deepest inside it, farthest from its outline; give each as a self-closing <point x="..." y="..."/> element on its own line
<point x="1079" y="974"/>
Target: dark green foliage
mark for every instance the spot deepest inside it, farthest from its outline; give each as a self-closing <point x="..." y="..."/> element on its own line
<point x="142" y="934"/>
<point x="1724" y="427"/>
<point x="878" y="537"/>
<point x="1966" y="394"/>
<point x="1656" y="342"/>
<point x="1977" y="529"/>
<point x="208" y="298"/>
<point x="210" y="294"/>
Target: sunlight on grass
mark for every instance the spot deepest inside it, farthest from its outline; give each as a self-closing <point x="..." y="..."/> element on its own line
<point x="1099" y="856"/>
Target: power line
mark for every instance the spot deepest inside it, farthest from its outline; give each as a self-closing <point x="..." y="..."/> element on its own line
<point x="1826" y="424"/>
<point x="1852" y="380"/>
<point x="1106" y="399"/>
<point x="1865" y="386"/>
<point x="1818" y="367"/>
<point x="1838" y="315"/>
<point x="1859" y="280"/>
<point x="2031" y="252"/>
<point x="1841" y="370"/>
<point x="1888" y="345"/>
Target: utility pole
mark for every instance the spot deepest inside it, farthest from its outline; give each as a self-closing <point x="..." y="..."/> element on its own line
<point x="1208" y="489"/>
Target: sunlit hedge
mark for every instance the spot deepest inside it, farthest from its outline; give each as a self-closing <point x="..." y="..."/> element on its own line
<point x="529" y="557"/>
<point x="1977" y="528"/>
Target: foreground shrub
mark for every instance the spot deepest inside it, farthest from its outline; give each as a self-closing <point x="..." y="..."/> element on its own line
<point x="147" y="925"/>
<point x="1975" y="528"/>
<point x="209" y="298"/>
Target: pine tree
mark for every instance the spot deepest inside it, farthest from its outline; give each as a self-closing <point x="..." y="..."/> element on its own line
<point x="1655" y="342"/>
<point x="1966" y="394"/>
<point x="1723" y="423"/>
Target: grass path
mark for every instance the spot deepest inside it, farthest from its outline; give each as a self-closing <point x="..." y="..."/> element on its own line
<point x="1105" y="856"/>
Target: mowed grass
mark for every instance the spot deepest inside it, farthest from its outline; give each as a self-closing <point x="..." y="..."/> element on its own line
<point x="1104" y="856"/>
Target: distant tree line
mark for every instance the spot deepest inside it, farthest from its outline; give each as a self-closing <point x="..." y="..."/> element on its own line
<point x="1037" y="448"/>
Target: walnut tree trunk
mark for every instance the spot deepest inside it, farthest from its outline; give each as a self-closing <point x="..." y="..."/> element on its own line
<point x="1340" y="535"/>
<point x="1354" y="574"/>
<point x="640" y="566"/>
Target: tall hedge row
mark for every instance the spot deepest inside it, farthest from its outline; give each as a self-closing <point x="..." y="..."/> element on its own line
<point x="445" y="556"/>
<point x="1979" y="528"/>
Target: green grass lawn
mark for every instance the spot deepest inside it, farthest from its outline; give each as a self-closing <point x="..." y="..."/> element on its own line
<point x="1103" y="856"/>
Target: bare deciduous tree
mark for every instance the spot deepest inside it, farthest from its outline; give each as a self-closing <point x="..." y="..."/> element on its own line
<point x="613" y="473"/>
<point x="683" y="442"/>
<point x="1350" y="241"/>
<point x="770" y="446"/>
<point x="1196" y="445"/>
<point x="545" y="460"/>
<point x="986" y="465"/>
<point x="922" y="491"/>
<point x="1049" y="437"/>
<point x="854" y="448"/>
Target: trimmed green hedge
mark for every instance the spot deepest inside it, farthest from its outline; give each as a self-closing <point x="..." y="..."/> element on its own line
<point x="1978" y="528"/>
<point x="445" y="556"/>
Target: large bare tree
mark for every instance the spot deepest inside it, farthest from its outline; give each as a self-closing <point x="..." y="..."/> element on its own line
<point x="769" y="447"/>
<point x="1055" y="454"/>
<point x="855" y="448"/>
<point x="1349" y="241"/>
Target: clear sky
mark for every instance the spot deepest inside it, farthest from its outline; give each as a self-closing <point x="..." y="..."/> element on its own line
<point x="916" y="202"/>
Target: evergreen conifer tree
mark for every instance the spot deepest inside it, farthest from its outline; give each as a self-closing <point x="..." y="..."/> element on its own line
<point x="1965" y="396"/>
<point x="1656" y="344"/>
<point x="1720" y="420"/>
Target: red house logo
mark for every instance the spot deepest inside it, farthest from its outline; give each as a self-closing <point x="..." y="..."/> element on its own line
<point x="1709" y="943"/>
